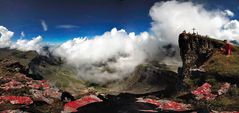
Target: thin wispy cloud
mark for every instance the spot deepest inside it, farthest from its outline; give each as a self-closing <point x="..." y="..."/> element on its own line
<point x="227" y="12"/>
<point x="44" y="25"/>
<point x="22" y="35"/>
<point x="67" y="26"/>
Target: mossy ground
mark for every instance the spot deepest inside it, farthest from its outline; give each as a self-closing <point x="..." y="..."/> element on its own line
<point x="227" y="65"/>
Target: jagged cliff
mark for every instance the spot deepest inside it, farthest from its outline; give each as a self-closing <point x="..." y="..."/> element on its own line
<point x="205" y="63"/>
<point x="195" y="50"/>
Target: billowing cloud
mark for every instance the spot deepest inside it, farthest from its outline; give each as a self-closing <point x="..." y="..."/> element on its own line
<point x="116" y="49"/>
<point x="44" y="25"/>
<point x="122" y="51"/>
<point x="20" y="44"/>
<point x="230" y="30"/>
<point x="27" y="45"/>
<point x="5" y="39"/>
<point x="67" y="26"/>
<point x="172" y="17"/>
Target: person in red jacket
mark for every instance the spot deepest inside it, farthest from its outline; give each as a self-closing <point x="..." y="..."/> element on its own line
<point x="228" y="48"/>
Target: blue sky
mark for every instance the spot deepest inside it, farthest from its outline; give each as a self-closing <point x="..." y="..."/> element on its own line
<point x="67" y="19"/>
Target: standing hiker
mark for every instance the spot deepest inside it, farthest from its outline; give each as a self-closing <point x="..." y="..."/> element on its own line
<point x="228" y="48"/>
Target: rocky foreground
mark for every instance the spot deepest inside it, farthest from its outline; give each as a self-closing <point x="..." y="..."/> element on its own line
<point x="207" y="82"/>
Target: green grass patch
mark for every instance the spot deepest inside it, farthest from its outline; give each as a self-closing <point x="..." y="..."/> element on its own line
<point x="223" y="65"/>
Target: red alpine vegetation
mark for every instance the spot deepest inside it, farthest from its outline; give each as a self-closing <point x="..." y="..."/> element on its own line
<point x="73" y="105"/>
<point x="16" y="99"/>
<point x="34" y="85"/>
<point x="167" y="104"/>
<point x="204" y="92"/>
<point x="13" y="84"/>
<point x="37" y="84"/>
<point x="152" y="101"/>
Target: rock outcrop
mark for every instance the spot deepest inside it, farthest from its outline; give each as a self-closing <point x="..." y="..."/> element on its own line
<point x="210" y="74"/>
<point x="195" y="50"/>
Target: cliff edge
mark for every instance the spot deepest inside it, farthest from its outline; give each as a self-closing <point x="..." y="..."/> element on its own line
<point x="205" y="63"/>
<point x="197" y="50"/>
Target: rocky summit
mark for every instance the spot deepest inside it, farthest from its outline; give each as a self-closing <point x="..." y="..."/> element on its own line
<point x="206" y="82"/>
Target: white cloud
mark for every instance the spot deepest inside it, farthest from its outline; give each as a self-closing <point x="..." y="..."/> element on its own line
<point x="5" y="39"/>
<point x="123" y="51"/>
<point x="20" y="44"/>
<point x="172" y="17"/>
<point x="227" y="12"/>
<point x="22" y="35"/>
<point x="27" y="45"/>
<point x="67" y="26"/>
<point x="116" y="49"/>
<point x="44" y="25"/>
<point x="230" y="30"/>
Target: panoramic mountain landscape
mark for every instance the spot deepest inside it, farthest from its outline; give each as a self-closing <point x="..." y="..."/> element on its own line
<point x="119" y="56"/>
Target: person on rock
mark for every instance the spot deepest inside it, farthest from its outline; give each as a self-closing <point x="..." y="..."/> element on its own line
<point x="228" y="48"/>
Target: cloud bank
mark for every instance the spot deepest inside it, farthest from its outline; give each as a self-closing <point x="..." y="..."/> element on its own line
<point x="20" y="44"/>
<point x="116" y="50"/>
<point x="123" y="51"/>
<point x="172" y="17"/>
<point x="114" y="54"/>
<point x="27" y="45"/>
